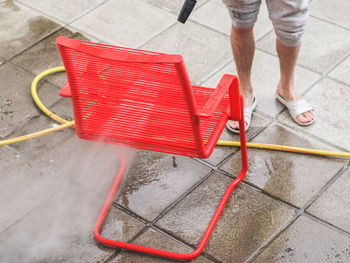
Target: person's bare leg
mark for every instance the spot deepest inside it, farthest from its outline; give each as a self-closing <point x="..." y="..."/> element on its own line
<point x="243" y="47"/>
<point x="288" y="57"/>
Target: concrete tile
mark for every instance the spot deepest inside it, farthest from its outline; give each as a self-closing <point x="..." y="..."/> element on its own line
<point x="288" y="176"/>
<point x="128" y="22"/>
<point x="16" y="103"/>
<point x="214" y="14"/>
<point x="45" y="55"/>
<point x="341" y="71"/>
<point x="201" y="57"/>
<point x="247" y="221"/>
<point x="222" y="152"/>
<point x="24" y="186"/>
<point x="333" y="11"/>
<point x="8" y="254"/>
<point x="323" y="45"/>
<point x="307" y="241"/>
<point x="61" y="229"/>
<point x="331" y="101"/>
<point x="120" y="226"/>
<point x="155" y="180"/>
<point x="333" y="206"/>
<point x="21" y="27"/>
<point x="265" y="78"/>
<point x="41" y="144"/>
<point x="155" y="239"/>
<point x="174" y="6"/>
<point x="9" y="156"/>
<point x="63" y="10"/>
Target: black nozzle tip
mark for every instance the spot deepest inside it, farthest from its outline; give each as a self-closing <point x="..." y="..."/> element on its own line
<point x="186" y="10"/>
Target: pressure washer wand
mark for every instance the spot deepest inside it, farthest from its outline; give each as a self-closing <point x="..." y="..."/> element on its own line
<point x="186" y="10"/>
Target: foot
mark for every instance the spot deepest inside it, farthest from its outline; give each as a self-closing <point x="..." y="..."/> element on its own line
<point x="249" y="107"/>
<point x="303" y="118"/>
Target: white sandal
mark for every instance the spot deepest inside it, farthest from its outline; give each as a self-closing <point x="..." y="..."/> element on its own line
<point x="247" y="111"/>
<point x="296" y="108"/>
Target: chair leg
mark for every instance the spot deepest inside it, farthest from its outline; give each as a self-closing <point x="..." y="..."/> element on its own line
<point x="164" y="253"/>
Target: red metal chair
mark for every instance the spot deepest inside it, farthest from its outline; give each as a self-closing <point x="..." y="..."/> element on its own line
<point x="145" y="100"/>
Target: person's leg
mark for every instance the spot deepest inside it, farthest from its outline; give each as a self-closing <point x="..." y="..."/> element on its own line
<point x="244" y="15"/>
<point x="288" y="56"/>
<point x="243" y="47"/>
<point x="289" y="20"/>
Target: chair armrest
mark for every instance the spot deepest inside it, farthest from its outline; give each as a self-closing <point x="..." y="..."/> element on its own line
<point x="216" y="97"/>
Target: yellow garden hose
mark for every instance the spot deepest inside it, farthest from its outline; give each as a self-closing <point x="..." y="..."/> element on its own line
<point x="65" y="124"/>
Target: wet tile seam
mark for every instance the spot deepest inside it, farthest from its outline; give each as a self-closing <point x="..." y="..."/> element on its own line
<point x="36" y="42"/>
<point x="168" y="208"/>
<point x="183" y="242"/>
<point x="119" y="250"/>
<point x="274" y="236"/>
<point x="149" y="225"/>
<point x="326" y="186"/>
<point x="300" y="212"/>
<point x="327" y="224"/>
<point x="131" y="213"/>
<point x="182" y="197"/>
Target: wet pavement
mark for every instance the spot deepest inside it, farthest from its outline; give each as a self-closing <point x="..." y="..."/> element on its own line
<point x="290" y="207"/>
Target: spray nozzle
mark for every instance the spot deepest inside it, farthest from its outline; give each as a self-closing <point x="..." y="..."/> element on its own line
<point x="186" y="10"/>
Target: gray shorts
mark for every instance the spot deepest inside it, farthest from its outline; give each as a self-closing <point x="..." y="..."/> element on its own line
<point x="288" y="17"/>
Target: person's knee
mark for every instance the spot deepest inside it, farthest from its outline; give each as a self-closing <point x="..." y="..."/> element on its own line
<point x="290" y="35"/>
<point x="290" y="21"/>
<point x="240" y="31"/>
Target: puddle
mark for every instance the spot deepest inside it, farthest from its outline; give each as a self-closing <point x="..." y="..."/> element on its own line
<point x="21" y="28"/>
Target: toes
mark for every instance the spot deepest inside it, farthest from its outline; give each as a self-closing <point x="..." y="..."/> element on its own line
<point x="233" y="124"/>
<point x="305" y="117"/>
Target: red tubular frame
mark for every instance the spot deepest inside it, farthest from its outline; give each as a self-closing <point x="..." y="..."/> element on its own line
<point x="210" y="228"/>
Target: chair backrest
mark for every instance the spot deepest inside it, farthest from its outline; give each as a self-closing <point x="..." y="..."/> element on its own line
<point x="139" y="98"/>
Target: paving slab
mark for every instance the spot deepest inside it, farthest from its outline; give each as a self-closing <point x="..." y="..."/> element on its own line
<point x="324" y="45"/>
<point x="307" y="241"/>
<point x="214" y="14"/>
<point x="25" y="185"/>
<point x="41" y="144"/>
<point x="126" y="22"/>
<point x="333" y="206"/>
<point x="333" y="11"/>
<point x="174" y="6"/>
<point x="265" y="78"/>
<point x="220" y="153"/>
<point x="330" y="100"/>
<point x="201" y="57"/>
<point x="248" y="220"/>
<point x="63" y="10"/>
<point x="9" y="157"/>
<point x="47" y="56"/>
<point x="155" y="180"/>
<point x="21" y="27"/>
<point x="16" y="103"/>
<point x="293" y="178"/>
<point x="155" y="239"/>
<point x="61" y="229"/>
<point x="341" y="71"/>
<point x="8" y="254"/>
